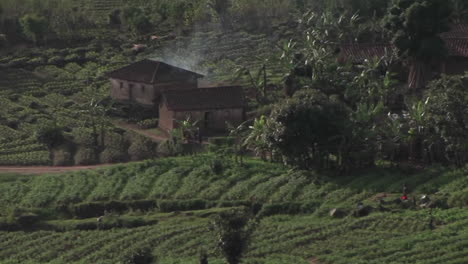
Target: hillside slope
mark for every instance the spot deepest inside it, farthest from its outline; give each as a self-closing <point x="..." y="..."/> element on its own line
<point x="294" y="226"/>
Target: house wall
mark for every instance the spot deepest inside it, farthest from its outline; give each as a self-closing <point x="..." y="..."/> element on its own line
<point x="216" y="122"/>
<point x="455" y="65"/>
<point x="133" y="91"/>
<point x="216" y="118"/>
<point x="146" y="94"/>
<point x="166" y="118"/>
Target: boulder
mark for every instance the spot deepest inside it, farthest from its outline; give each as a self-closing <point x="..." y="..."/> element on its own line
<point x="337" y="213"/>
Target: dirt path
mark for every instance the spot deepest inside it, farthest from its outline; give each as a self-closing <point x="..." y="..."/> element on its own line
<point x="143" y="132"/>
<point x="313" y="261"/>
<point x="48" y="169"/>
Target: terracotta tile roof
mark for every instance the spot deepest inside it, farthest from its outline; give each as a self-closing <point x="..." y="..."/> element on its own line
<point x="204" y="98"/>
<point x="456" y="31"/>
<point x="457" y="47"/>
<point x="456" y="41"/>
<point x="149" y="71"/>
<point x="360" y="52"/>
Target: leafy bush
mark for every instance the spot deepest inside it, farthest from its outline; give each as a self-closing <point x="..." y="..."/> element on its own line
<point x="85" y="156"/>
<point x="112" y="155"/>
<point x="281" y="208"/>
<point x="62" y="157"/>
<point x="27" y="220"/>
<point x="116" y="141"/>
<point x="72" y="58"/>
<point x="222" y="141"/>
<point x="95" y="209"/>
<point x="458" y="199"/>
<point x="50" y="135"/>
<point x="142" y="148"/>
<point x="182" y="205"/>
<point x="83" y="137"/>
<point x="148" y="123"/>
<point x="170" y="148"/>
<point x="56" y="60"/>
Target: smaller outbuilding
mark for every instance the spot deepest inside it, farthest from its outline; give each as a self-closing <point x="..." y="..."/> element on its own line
<point x="211" y="107"/>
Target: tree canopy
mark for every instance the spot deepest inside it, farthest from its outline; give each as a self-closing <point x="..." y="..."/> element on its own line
<point x="34" y="27"/>
<point x="415" y="27"/>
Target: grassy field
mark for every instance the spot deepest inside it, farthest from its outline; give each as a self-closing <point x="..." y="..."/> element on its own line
<point x="165" y="207"/>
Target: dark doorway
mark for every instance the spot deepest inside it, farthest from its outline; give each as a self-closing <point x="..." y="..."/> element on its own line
<point x="130" y="91"/>
<point x="207" y="119"/>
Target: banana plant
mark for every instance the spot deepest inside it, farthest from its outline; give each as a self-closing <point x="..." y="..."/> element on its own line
<point x="187" y="129"/>
<point x="256" y="140"/>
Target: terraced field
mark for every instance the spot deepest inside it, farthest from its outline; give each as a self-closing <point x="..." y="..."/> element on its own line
<point x="219" y="55"/>
<point x="27" y="102"/>
<point x="294" y="222"/>
<point x="50" y="83"/>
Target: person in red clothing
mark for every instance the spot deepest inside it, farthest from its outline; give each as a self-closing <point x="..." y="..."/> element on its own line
<point x="404" y="197"/>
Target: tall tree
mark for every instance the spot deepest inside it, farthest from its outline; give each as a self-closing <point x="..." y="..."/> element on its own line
<point x="415" y="26"/>
<point x="34" y="27"/>
<point x="222" y="8"/>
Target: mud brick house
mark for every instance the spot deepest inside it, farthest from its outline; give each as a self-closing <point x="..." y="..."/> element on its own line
<point x="143" y="81"/>
<point x="456" y="41"/>
<point x="174" y="91"/>
<point x="211" y="107"/>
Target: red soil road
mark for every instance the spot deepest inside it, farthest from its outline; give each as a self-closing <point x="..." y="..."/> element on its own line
<point x="50" y="169"/>
<point x="47" y="169"/>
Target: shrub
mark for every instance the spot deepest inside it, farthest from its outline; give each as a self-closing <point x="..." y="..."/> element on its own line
<point x="182" y="205"/>
<point x="84" y="137"/>
<point x="62" y="157"/>
<point x="148" y="123"/>
<point x="115" y="141"/>
<point x="38" y="94"/>
<point x="142" y="205"/>
<point x="85" y="156"/>
<point x="142" y="148"/>
<point x="95" y="209"/>
<point x="222" y="141"/>
<point x="56" y="60"/>
<point x="139" y="256"/>
<point x="37" y="61"/>
<point x="458" y="199"/>
<point x="112" y="155"/>
<point x="50" y="135"/>
<point x="217" y="166"/>
<point x="72" y="67"/>
<point x="23" y="218"/>
<point x="36" y="106"/>
<point x="281" y="208"/>
<point x="170" y="148"/>
<point x="27" y="220"/>
<point x="72" y="58"/>
<point x="68" y="103"/>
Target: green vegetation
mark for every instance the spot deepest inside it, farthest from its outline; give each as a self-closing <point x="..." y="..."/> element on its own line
<point x="167" y="207"/>
<point x="338" y="139"/>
